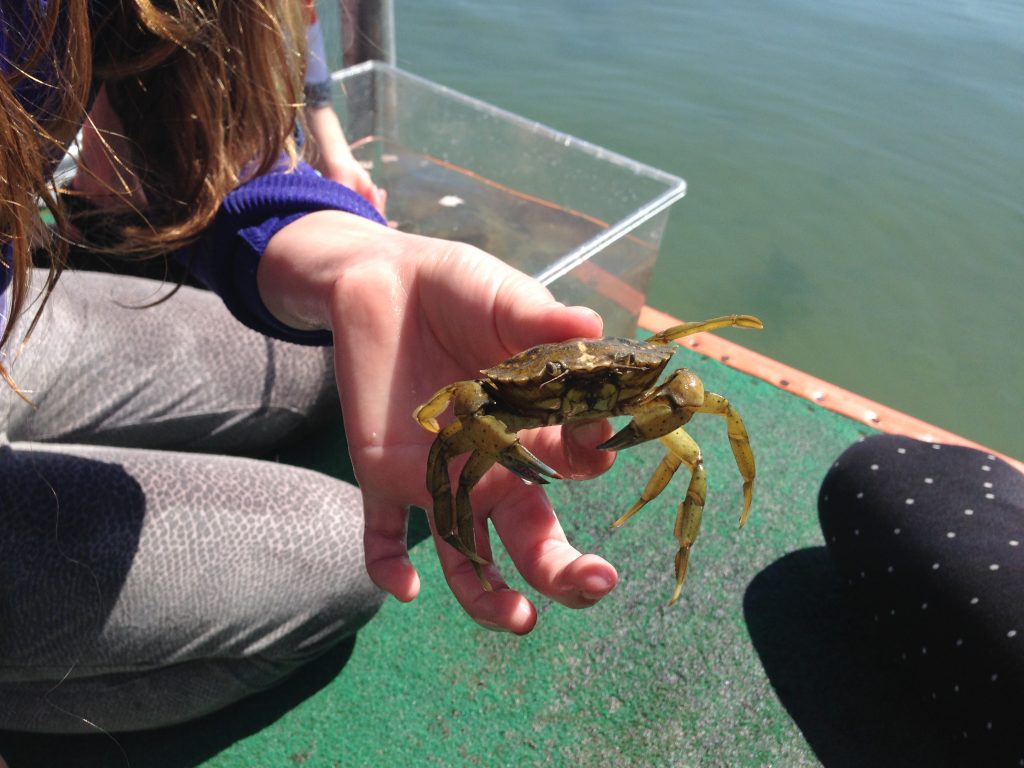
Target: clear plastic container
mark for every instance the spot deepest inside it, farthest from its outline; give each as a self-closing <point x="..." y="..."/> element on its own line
<point x="584" y="221"/>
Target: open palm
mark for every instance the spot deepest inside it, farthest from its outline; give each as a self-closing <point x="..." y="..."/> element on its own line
<point x="416" y="316"/>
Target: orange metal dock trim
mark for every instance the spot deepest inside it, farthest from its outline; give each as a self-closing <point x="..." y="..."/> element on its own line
<point x="823" y="393"/>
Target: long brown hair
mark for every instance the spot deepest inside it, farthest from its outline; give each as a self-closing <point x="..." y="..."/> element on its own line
<point x="208" y="94"/>
<point x="28" y="144"/>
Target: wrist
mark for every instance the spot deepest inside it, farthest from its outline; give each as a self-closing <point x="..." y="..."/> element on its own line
<point x="305" y="261"/>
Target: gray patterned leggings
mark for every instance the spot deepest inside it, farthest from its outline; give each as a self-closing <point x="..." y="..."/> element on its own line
<point x="147" y="575"/>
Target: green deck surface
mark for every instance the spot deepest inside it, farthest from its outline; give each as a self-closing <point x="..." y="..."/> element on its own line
<point x="761" y="662"/>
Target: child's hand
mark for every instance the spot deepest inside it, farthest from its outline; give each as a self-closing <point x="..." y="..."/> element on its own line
<point x="409" y="315"/>
<point x="333" y="156"/>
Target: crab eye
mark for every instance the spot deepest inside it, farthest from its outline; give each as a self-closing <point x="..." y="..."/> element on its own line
<point x="554" y="367"/>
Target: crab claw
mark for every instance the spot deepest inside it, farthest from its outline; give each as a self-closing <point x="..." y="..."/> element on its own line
<point x="626" y="437"/>
<point x="657" y="422"/>
<point x="522" y="462"/>
<point x="426" y="415"/>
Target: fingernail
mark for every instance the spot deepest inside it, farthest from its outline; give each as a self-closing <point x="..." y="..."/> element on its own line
<point x="588" y="434"/>
<point x="583" y="310"/>
<point x="595" y="587"/>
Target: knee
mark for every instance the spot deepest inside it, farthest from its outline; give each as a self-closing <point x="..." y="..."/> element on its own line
<point x="328" y="615"/>
<point x="871" y="481"/>
<point x="324" y="593"/>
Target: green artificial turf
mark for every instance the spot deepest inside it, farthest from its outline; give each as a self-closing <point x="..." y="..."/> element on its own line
<point x="761" y="662"/>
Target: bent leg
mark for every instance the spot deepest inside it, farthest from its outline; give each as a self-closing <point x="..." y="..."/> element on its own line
<point x="143" y="588"/>
<point x="930" y="539"/>
<point x="104" y="368"/>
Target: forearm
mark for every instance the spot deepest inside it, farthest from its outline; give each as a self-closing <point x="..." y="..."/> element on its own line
<point x="330" y="153"/>
<point x="331" y="150"/>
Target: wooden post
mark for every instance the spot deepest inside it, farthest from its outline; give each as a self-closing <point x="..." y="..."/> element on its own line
<point x="368" y="31"/>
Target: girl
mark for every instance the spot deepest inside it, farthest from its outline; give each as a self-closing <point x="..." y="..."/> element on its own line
<point x="149" y="573"/>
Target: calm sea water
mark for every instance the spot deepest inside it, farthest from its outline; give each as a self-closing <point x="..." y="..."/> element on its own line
<point x="855" y="170"/>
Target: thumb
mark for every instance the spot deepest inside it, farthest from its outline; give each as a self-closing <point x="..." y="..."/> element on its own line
<point x="522" y="323"/>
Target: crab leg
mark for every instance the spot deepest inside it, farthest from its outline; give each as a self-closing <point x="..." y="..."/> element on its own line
<point x="740" y="444"/>
<point x="654" y="421"/>
<point x="682" y="449"/>
<point x="490" y="441"/>
<point x="474" y="469"/>
<point x="449" y="443"/>
<point x="492" y="436"/>
<point x="487" y="433"/>
<point x="659" y="480"/>
<point x="691" y="509"/>
<point x="659" y="411"/>
<point x="686" y="329"/>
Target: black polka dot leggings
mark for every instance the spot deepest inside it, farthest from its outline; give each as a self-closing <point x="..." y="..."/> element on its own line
<point x="930" y="539"/>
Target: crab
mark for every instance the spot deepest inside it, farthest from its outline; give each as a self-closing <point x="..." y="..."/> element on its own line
<point x="574" y="381"/>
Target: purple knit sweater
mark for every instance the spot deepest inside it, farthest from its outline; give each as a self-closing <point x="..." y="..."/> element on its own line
<point x="227" y="256"/>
